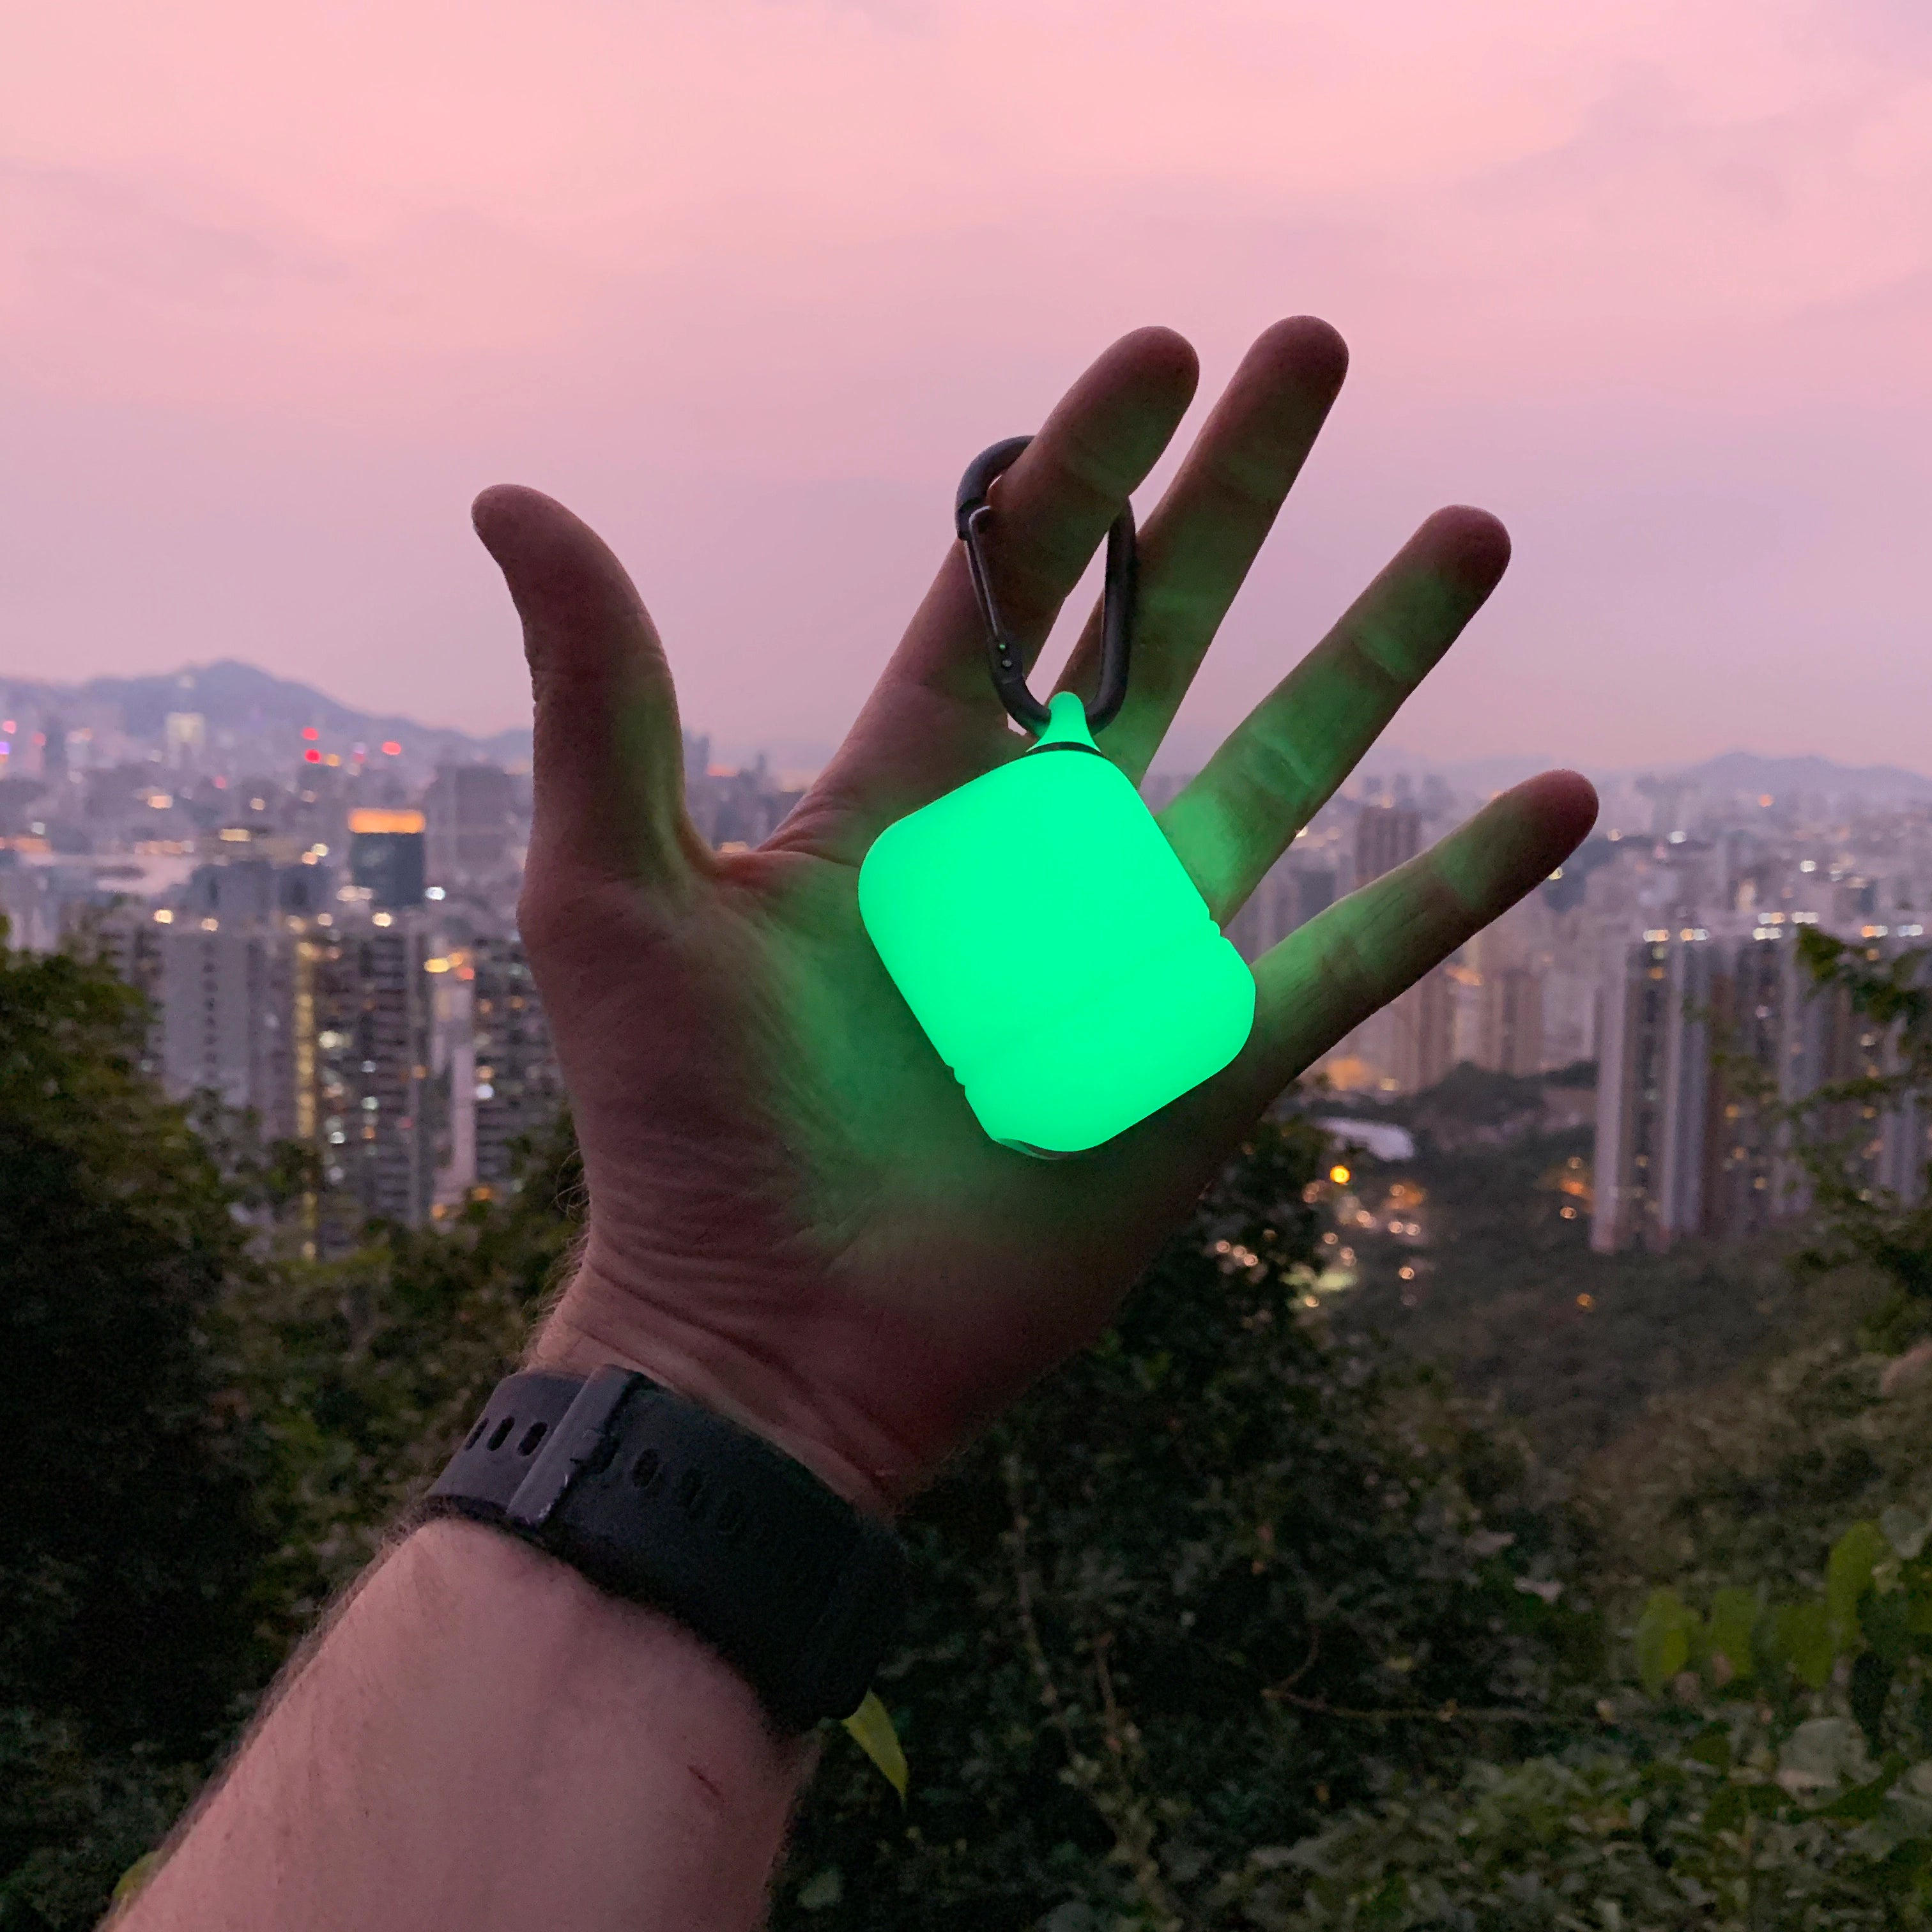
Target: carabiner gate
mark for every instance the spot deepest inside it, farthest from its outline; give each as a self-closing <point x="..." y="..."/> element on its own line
<point x="970" y="509"/>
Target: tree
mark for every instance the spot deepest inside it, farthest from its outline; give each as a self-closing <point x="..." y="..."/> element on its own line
<point x="1212" y="1578"/>
<point x="129" y="1540"/>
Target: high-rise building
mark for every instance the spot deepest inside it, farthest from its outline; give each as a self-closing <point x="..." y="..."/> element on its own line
<point x="386" y="856"/>
<point x="226" y="1018"/>
<point x="1698" y="1031"/>
<point x="1386" y="836"/>
<point x="471" y="813"/>
<point x="518" y="1088"/>
<point x="185" y="735"/>
<point x="1291" y="893"/>
<point x="1511" y="1036"/>
<point x="1409" y="1044"/>
<point x="378" y="1116"/>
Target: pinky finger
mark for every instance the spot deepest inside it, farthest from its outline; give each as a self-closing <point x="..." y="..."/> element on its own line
<point x="1327" y="977"/>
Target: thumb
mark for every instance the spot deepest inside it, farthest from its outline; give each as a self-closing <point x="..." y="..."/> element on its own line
<point x="608" y="765"/>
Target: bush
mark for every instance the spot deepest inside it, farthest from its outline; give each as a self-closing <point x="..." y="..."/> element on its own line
<point x="1214" y="1578"/>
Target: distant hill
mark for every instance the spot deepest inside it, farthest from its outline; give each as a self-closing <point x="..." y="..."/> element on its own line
<point x="1743" y="772"/>
<point x="236" y="697"/>
<point x="1749" y="771"/>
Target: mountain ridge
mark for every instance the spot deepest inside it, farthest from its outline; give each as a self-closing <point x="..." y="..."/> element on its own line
<point x="234" y="695"/>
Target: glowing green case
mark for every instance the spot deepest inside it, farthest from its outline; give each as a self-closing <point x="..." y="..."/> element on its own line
<point x="1054" y="948"/>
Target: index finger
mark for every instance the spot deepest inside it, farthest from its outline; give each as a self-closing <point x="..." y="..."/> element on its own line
<point x="933" y="721"/>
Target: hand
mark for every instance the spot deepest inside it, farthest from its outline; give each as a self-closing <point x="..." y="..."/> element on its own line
<point x="793" y="1217"/>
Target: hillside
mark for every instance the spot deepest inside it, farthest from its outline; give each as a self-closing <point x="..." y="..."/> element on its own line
<point x="1507" y="1295"/>
<point x="237" y="696"/>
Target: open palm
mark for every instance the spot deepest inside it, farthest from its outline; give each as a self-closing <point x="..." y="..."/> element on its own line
<point x="794" y="1215"/>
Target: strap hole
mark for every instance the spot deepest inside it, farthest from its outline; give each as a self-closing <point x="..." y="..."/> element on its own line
<point x="645" y="1470"/>
<point x="690" y="1487"/>
<point x="502" y="1432"/>
<point x="532" y="1436"/>
<point x="476" y="1434"/>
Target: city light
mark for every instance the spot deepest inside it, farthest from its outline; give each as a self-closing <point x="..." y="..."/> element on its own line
<point x="312" y="757"/>
<point x="310" y="733"/>
<point x="164" y="917"/>
<point x="1339" y="1176"/>
<point x="391" y="749"/>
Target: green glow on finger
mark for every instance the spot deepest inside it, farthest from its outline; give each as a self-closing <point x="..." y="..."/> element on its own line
<point x="1053" y="947"/>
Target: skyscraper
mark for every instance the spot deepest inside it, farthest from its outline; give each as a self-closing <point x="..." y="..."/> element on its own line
<point x="1698" y="1030"/>
<point x="471" y="813"/>
<point x="386" y="856"/>
<point x="1386" y="836"/>
<point x="378" y="1115"/>
<point x="226" y="998"/>
<point x="518" y="1088"/>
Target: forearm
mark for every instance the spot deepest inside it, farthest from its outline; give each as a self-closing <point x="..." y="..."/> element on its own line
<point x="484" y="1740"/>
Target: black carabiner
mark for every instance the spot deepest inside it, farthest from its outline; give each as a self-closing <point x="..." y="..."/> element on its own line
<point x="970" y="509"/>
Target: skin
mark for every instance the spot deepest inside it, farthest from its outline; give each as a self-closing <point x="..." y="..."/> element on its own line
<point x="794" y="1215"/>
<point x="794" y="1218"/>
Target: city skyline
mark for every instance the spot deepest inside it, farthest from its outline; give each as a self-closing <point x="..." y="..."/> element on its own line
<point x="748" y="284"/>
<point x="1754" y="768"/>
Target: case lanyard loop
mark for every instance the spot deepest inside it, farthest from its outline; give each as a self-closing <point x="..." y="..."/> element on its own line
<point x="1005" y="658"/>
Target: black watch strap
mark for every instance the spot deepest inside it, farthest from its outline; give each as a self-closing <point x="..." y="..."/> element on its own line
<point x="657" y="1499"/>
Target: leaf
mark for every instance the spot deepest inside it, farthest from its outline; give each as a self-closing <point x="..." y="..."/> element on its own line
<point x="136" y="1875"/>
<point x="1904" y="1531"/>
<point x="1848" y="1576"/>
<point x="824" y="1889"/>
<point x="1726" y="1811"/>
<point x="1866" y="1800"/>
<point x="1871" y="1684"/>
<point x="1919" y="1617"/>
<point x="1801" y="1635"/>
<point x="1886" y="1620"/>
<point x="1821" y="1752"/>
<point x="870" y="1726"/>
<point x="1663" y="1639"/>
<point x="1734" y="1614"/>
<point x="1712" y="1746"/>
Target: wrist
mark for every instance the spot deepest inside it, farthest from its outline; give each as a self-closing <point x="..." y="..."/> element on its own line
<point x="484" y="1739"/>
<point x="597" y="1322"/>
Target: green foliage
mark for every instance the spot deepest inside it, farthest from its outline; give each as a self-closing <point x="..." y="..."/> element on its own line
<point x="1494" y="1297"/>
<point x="358" y="1374"/>
<point x="1218" y="1575"/>
<point x="131" y="1540"/>
<point x="1852" y="1218"/>
<point x="1235" y="1622"/>
<point x="219" y="1434"/>
<point x="1775" y="1771"/>
<point x="1746" y="1482"/>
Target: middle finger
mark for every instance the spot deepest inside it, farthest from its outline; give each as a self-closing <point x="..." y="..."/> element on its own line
<point x="1203" y="534"/>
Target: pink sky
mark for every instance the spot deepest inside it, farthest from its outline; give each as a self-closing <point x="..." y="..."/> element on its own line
<point x="747" y="281"/>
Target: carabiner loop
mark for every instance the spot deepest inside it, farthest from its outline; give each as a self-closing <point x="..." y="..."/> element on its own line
<point x="970" y="509"/>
